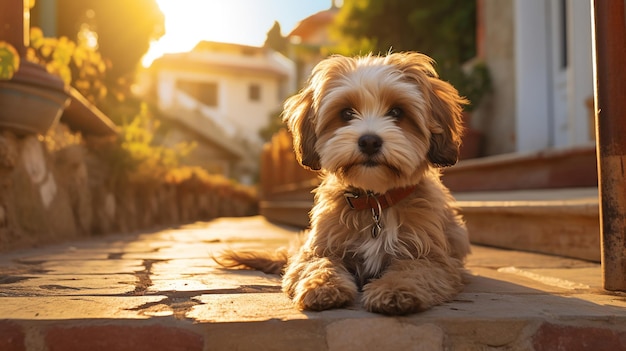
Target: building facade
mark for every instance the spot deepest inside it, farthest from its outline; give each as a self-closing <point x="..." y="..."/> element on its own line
<point x="539" y="54"/>
<point x="224" y="94"/>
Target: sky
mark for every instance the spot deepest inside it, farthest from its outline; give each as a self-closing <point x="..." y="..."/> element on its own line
<point x="233" y="21"/>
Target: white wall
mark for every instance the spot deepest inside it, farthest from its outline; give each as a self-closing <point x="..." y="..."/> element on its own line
<point x="250" y="116"/>
<point x="550" y="99"/>
<point x="580" y="76"/>
<point x="532" y="75"/>
<point x="235" y="111"/>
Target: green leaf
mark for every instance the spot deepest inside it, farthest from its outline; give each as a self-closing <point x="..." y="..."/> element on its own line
<point x="9" y="60"/>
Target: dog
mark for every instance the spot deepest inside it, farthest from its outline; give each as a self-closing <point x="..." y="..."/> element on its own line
<point x="383" y="225"/>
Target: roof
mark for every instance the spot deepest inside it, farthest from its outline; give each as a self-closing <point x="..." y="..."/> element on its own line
<point x="313" y="23"/>
<point x="211" y="56"/>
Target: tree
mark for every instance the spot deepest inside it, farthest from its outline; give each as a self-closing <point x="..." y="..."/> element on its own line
<point x="442" y="29"/>
<point x="124" y="28"/>
<point x="275" y="39"/>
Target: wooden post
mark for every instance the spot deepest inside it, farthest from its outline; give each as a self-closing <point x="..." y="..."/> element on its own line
<point x="610" y="106"/>
<point x="14" y="24"/>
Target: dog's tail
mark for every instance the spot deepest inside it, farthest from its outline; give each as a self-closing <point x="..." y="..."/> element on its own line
<point x="265" y="261"/>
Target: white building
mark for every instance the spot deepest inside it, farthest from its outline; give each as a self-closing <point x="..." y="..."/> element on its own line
<point x="539" y="54"/>
<point x="228" y="90"/>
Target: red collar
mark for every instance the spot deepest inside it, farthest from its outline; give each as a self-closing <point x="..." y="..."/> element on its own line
<point x="361" y="201"/>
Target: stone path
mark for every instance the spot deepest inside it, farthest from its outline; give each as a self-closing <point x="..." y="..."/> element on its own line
<point x="161" y="290"/>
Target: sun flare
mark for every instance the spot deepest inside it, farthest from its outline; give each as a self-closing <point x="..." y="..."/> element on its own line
<point x="189" y="21"/>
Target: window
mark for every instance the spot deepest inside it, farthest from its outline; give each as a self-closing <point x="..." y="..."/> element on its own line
<point x="205" y="92"/>
<point x="254" y="92"/>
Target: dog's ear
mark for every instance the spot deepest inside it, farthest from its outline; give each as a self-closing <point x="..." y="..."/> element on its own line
<point x="298" y="115"/>
<point x="447" y="109"/>
<point x="446" y="106"/>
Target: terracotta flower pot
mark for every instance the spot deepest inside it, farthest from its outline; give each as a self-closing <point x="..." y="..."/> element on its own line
<point x="32" y="101"/>
<point x="471" y="140"/>
<point x="471" y="144"/>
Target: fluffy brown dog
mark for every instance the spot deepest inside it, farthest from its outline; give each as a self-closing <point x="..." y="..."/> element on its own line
<point x="383" y="223"/>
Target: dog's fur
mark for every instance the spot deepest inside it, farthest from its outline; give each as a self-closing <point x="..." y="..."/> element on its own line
<point x="416" y="261"/>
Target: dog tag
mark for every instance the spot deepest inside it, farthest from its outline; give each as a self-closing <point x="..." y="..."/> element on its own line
<point x="376" y="228"/>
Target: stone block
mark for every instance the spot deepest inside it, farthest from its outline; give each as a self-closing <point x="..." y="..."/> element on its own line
<point x="554" y="337"/>
<point x="383" y="334"/>
<point x="11" y="337"/>
<point x="118" y="337"/>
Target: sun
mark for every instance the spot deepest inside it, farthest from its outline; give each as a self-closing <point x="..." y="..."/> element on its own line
<point x="189" y="21"/>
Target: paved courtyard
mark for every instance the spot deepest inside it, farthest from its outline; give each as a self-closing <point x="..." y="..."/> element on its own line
<point x="160" y="290"/>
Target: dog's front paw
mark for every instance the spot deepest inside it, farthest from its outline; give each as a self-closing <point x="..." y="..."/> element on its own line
<point x="394" y="299"/>
<point x="320" y="293"/>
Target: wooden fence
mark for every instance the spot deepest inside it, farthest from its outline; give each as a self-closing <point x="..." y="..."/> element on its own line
<point x="286" y="186"/>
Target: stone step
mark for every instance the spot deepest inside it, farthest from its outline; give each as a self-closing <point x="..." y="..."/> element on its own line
<point x="161" y="291"/>
<point x="571" y="167"/>
<point x="562" y="222"/>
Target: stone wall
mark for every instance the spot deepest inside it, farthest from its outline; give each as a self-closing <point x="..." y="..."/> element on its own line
<point x="48" y="197"/>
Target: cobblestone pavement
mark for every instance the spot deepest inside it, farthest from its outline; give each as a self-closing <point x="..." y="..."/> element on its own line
<point x="161" y="290"/>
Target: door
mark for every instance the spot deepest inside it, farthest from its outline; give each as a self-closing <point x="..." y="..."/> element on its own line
<point x="558" y="71"/>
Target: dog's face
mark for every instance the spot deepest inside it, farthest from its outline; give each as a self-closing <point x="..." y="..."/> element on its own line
<point x="375" y="122"/>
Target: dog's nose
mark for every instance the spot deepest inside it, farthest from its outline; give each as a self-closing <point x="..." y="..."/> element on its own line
<point x="370" y="144"/>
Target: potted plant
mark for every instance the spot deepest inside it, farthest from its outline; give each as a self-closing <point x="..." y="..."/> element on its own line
<point x="31" y="99"/>
<point x="473" y="81"/>
<point x="48" y="70"/>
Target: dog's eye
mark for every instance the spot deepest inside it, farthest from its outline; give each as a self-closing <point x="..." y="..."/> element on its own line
<point x="348" y="114"/>
<point x="395" y="112"/>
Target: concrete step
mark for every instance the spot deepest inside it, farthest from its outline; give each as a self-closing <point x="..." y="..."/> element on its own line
<point x="562" y="222"/>
<point x="161" y="291"/>
<point x="571" y="167"/>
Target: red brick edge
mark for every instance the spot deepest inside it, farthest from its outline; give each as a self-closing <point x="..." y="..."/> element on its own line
<point x="553" y="337"/>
